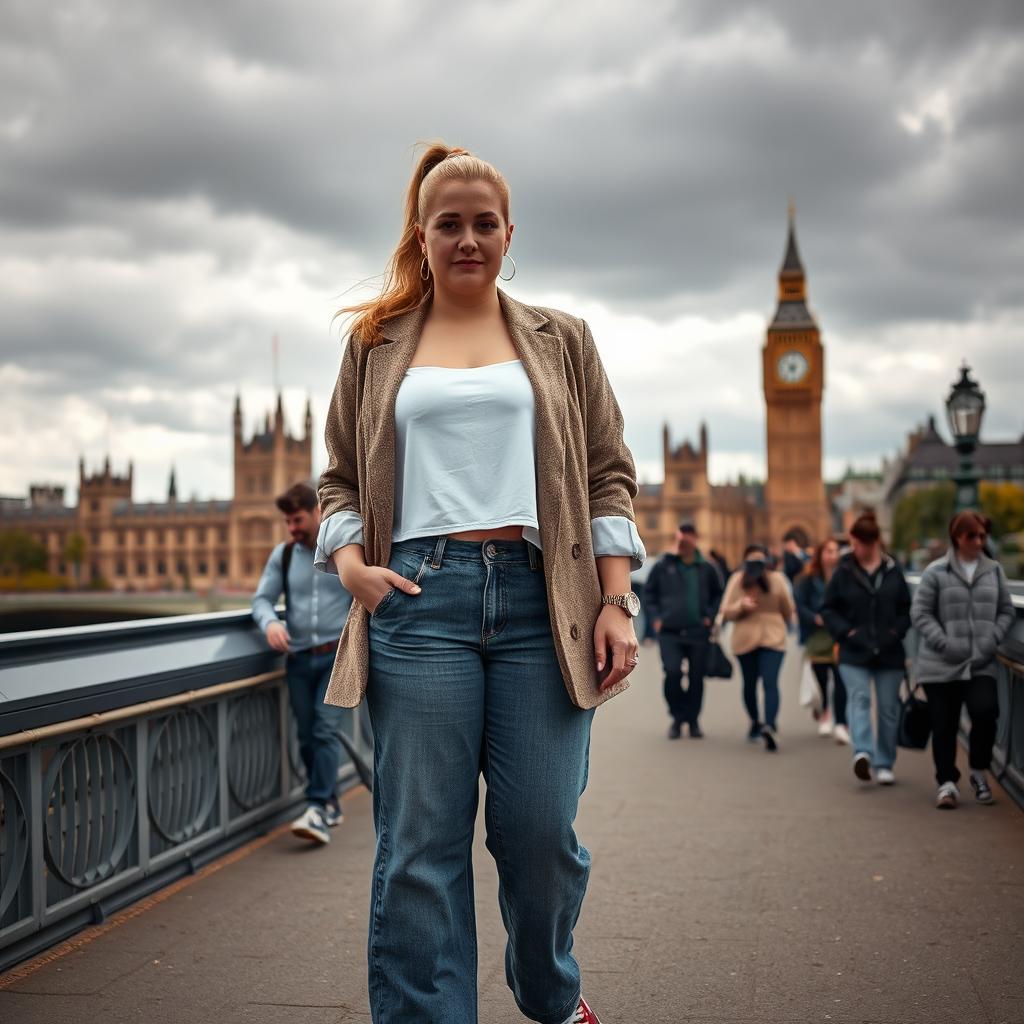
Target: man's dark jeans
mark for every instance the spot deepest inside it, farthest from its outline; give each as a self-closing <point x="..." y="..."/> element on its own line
<point x="690" y="645"/>
<point x="318" y="724"/>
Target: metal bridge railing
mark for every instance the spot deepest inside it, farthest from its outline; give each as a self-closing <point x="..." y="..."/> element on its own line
<point x="1008" y="754"/>
<point x="98" y="809"/>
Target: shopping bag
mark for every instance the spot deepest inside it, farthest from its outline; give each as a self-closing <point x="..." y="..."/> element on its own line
<point x="810" y="692"/>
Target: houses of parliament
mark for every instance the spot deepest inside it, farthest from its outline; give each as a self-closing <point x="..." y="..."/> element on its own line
<point x="204" y="545"/>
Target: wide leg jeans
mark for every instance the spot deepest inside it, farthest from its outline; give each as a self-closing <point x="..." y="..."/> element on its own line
<point x="464" y="680"/>
<point x="880" y="747"/>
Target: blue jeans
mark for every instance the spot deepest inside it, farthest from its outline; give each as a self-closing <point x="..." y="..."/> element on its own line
<point x="858" y="711"/>
<point x="464" y="680"/>
<point x="762" y="663"/>
<point x="318" y="724"/>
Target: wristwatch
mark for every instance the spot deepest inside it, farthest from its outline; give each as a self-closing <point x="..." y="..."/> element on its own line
<point x="629" y="603"/>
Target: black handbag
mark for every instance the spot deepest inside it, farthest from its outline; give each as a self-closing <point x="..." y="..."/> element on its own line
<point x="915" y="721"/>
<point x="718" y="666"/>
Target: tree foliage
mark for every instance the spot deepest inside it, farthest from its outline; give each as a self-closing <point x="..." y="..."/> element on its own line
<point x="1004" y="504"/>
<point x="924" y="515"/>
<point x="21" y="553"/>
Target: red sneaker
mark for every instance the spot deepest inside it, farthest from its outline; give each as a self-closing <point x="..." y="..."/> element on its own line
<point x="584" y="1014"/>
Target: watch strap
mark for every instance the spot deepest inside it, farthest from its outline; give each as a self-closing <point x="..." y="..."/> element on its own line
<point x="619" y="600"/>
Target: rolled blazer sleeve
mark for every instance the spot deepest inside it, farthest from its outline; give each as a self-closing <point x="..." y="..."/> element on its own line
<point x="336" y="531"/>
<point x="611" y="473"/>
<point x="338" y="489"/>
<point x="617" y="535"/>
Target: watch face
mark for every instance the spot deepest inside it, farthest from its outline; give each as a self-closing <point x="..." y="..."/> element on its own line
<point x="632" y="604"/>
<point x="792" y="367"/>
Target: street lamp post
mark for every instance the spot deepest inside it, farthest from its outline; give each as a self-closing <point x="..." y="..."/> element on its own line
<point x="965" y="407"/>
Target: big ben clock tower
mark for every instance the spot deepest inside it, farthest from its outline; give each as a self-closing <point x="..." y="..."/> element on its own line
<point x="794" y="372"/>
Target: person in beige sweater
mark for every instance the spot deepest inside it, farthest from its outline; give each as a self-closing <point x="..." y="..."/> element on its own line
<point x="759" y="603"/>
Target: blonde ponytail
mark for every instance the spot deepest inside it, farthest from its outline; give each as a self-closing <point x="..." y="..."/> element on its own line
<point x="404" y="288"/>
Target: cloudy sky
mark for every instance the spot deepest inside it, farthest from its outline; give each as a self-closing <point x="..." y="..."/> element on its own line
<point x="179" y="182"/>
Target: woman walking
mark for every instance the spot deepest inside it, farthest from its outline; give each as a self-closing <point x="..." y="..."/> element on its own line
<point x="819" y="648"/>
<point x="478" y="507"/>
<point x="963" y="611"/>
<point x="867" y="611"/>
<point x="758" y="602"/>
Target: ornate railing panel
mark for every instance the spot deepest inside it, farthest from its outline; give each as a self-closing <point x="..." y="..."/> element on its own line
<point x="91" y="810"/>
<point x="143" y="777"/>
<point x="254" y="754"/>
<point x="182" y="774"/>
<point x="13" y="843"/>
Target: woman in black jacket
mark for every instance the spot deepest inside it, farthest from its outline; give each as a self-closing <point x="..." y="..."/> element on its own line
<point x="809" y="595"/>
<point x="867" y="611"/>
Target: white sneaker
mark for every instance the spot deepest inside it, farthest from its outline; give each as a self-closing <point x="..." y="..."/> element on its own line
<point x="862" y="767"/>
<point x="947" y="796"/>
<point x="885" y="776"/>
<point x="825" y="725"/>
<point x="841" y="735"/>
<point x="333" y="814"/>
<point x="311" y="825"/>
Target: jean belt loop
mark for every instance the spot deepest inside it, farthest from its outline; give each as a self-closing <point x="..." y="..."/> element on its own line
<point x="435" y="562"/>
<point x="531" y="553"/>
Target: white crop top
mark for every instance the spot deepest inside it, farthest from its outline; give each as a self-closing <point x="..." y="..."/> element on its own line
<point x="464" y="460"/>
<point x="464" y="450"/>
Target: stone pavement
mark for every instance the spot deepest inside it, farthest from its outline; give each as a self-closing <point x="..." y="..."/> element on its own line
<point x="729" y="885"/>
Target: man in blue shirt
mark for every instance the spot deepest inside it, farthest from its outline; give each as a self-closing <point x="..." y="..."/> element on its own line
<point x="316" y="608"/>
<point x="682" y="595"/>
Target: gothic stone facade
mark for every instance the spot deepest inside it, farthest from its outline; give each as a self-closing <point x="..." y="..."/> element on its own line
<point x="173" y="544"/>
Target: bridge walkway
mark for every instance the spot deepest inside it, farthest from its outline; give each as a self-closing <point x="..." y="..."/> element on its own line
<point x="729" y="885"/>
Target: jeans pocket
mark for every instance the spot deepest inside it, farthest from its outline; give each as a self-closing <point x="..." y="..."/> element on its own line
<point x="382" y="604"/>
<point x="411" y="569"/>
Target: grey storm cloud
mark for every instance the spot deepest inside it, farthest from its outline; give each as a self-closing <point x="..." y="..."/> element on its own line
<point x="173" y="176"/>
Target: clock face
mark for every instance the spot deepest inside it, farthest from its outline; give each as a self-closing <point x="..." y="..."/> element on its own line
<point x="792" y="367"/>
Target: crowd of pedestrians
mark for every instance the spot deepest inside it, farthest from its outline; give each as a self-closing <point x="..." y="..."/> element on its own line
<point x="850" y="604"/>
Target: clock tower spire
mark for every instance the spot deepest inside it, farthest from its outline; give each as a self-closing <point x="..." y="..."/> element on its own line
<point x="794" y="370"/>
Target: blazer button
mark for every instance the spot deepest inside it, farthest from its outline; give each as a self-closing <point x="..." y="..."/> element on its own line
<point x="576" y="549"/>
<point x="574" y="631"/>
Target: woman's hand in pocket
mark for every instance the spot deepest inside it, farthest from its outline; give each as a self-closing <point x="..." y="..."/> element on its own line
<point x="369" y="584"/>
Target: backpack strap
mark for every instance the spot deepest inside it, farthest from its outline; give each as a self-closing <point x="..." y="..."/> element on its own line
<point x="286" y="564"/>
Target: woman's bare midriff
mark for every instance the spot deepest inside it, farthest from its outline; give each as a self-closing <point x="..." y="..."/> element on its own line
<point x="497" y="533"/>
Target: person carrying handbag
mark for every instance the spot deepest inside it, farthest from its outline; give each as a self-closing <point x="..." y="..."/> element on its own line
<point x="867" y="611"/>
<point x="963" y="611"/>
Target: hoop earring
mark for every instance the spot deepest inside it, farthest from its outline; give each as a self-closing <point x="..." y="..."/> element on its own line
<point x="513" y="274"/>
<point x="425" y="270"/>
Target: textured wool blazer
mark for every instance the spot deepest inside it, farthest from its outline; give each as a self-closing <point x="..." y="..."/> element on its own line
<point x="584" y="471"/>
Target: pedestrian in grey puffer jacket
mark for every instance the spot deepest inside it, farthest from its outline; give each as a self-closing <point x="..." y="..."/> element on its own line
<point x="962" y="611"/>
<point x="960" y="624"/>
